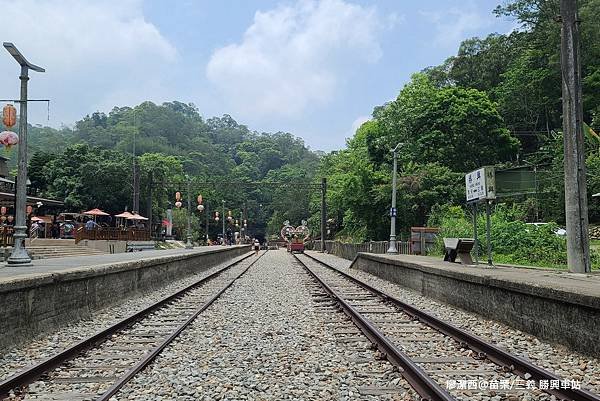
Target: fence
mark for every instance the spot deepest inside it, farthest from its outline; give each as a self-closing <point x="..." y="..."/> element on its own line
<point x="112" y="233"/>
<point x="349" y="251"/>
<point x="6" y="236"/>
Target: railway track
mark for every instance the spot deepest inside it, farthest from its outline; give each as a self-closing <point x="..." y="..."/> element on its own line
<point x="432" y="353"/>
<point x="97" y="367"/>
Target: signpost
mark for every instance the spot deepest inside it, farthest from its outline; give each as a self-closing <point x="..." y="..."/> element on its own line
<point x="481" y="187"/>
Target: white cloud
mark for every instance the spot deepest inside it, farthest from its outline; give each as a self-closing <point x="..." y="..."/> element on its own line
<point x="454" y="25"/>
<point x="294" y="56"/>
<point x="97" y="53"/>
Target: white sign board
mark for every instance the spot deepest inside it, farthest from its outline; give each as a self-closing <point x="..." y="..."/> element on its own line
<point x="481" y="184"/>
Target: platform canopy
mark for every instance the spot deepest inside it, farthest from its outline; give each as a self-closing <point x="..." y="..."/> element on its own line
<point x="96" y="212"/>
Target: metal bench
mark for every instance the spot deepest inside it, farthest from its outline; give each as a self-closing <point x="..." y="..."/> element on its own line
<point x="460" y="247"/>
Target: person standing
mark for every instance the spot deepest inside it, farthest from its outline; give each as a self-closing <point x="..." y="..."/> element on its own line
<point x="256" y="246"/>
<point x="55" y="230"/>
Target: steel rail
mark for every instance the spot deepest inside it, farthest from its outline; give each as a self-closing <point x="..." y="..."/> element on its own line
<point x="484" y="349"/>
<point x="149" y="357"/>
<point x="30" y="374"/>
<point x="424" y="385"/>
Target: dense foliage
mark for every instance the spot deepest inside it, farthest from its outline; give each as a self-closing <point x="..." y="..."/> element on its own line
<point x="91" y="165"/>
<point x="496" y="102"/>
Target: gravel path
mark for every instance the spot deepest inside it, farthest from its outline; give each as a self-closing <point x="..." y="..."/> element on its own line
<point x="48" y="344"/>
<point x="272" y="336"/>
<point x="565" y="363"/>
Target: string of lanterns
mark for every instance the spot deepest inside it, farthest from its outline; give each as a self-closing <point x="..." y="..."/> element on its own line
<point x="178" y="202"/>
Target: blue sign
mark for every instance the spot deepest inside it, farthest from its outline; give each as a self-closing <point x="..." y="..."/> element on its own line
<point x="393" y="212"/>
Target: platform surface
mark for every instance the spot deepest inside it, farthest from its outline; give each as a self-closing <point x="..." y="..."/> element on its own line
<point x="554" y="281"/>
<point x="43" y="267"/>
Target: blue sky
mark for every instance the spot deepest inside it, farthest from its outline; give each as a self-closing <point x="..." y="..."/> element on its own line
<point x="312" y="68"/>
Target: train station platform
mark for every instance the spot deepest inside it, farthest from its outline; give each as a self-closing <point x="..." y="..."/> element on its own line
<point x="52" y="292"/>
<point x="555" y="305"/>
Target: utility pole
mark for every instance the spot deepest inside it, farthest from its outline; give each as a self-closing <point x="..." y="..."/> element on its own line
<point x="207" y="219"/>
<point x="223" y="218"/>
<point x="188" y="244"/>
<point x="19" y="255"/>
<point x="323" y="211"/>
<point x="136" y="173"/>
<point x="149" y="200"/>
<point x="576" y="208"/>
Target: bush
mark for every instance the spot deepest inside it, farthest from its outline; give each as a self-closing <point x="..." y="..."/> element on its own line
<point x="513" y="241"/>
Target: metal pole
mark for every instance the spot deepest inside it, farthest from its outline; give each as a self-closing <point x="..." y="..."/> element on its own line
<point x="392" y="245"/>
<point x="475" y="240"/>
<point x="207" y="221"/>
<point x="149" y="200"/>
<point x="19" y="255"/>
<point x="223" y="222"/>
<point x="188" y="244"/>
<point x="576" y="208"/>
<point x="488" y="229"/>
<point x="136" y="176"/>
<point x="323" y="211"/>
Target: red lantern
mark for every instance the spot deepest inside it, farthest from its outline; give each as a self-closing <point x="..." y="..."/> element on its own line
<point x="199" y="199"/>
<point x="200" y="208"/>
<point x="10" y="218"/>
<point x="9" y="115"/>
<point x="3" y="219"/>
<point x="178" y="204"/>
<point x="3" y="210"/>
<point x="29" y="209"/>
<point x="8" y="138"/>
<point x="177" y="196"/>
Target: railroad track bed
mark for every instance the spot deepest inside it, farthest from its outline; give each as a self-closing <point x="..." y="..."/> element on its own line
<point x="273" y="335"/>
<point x="98" y="366"/>
<point x="441" y="357"/>
<point x="48" y="344"/>
<point x="555" y="357"/>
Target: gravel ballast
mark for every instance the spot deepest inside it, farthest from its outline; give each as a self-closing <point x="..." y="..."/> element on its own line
<point x="273" y="335"/>
<point x="566" y="363"/>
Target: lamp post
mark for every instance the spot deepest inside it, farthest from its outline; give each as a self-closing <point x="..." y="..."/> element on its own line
<point x="200" y="208"/>
<point x="19" y="254"/>
<point x="223" y="201"/>
<point x="188" y="243"/>
<point x="392" y="247"/>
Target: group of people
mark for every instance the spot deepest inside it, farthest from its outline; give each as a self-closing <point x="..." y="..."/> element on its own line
<point x="38" y="230"/>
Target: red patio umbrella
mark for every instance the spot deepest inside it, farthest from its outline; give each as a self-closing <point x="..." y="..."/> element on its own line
<point x="124" y="215"/>
<point x="136" y="216"/>
<point x="96" y="212"/>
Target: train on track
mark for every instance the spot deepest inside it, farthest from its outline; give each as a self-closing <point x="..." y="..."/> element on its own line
<point x="295" y="237"/>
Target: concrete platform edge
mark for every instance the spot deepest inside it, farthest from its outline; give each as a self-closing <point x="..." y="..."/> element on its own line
<point x="35" y="305"/>
<point x="78" y="273"/>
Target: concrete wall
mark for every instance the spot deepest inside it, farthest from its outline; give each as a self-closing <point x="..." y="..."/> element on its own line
<point x="36" y="305"/>
<point x="570" y="319"/>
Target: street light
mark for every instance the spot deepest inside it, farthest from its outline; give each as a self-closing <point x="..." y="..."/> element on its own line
<point x="223" y="201"/>
<point x="200" y="208"/>
<point x="392" y="247"/>
<point x="19" y="254"/>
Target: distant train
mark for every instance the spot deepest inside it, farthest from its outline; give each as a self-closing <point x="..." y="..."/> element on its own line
<point x="295" y="237"/>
